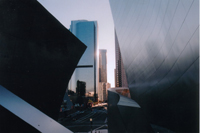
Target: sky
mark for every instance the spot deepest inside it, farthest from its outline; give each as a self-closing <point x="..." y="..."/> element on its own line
<point x="92" y="10"/>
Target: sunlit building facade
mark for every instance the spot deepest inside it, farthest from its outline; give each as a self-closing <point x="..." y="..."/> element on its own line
<point x="102" y="65"/>
<point x="102" y="92"/>
<point x="120" y="75"/>
<point x="87" y="70"/>
<point x="159" y="44"/>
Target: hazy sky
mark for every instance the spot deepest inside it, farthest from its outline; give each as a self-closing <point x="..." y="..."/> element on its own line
<point x="92" y="10"/>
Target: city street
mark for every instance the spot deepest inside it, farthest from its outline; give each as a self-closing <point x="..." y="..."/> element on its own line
<point x="80" y="120"/>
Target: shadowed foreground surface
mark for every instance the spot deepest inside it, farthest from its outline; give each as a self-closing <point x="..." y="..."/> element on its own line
<point x="37" y="58"/>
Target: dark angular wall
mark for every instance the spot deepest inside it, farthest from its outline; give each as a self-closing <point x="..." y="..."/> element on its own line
<point x="115" y="123"/>
<point x="10" y="123"/>
<point x="125" y="119"/>
<point x="37" y="57"/>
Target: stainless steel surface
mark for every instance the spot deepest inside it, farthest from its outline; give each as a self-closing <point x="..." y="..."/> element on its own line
<point x="159" y="42"/>
<point x="124" y="101"/>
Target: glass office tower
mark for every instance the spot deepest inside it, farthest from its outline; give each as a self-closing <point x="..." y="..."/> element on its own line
<point x="87" y="70"/>
<point x="159" y="43"/>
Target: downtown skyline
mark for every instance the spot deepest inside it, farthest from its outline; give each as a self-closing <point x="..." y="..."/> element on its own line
<point x="156" y="51"/>
<point x="66" y="11"/>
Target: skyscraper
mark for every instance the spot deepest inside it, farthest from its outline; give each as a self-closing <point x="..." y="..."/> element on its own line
<point x="102" y="92"/>
<point x="87" y="70"/>
<point x="103" y="85"/>
<point x="80" y="89"/>
<point x="102" y="65"/>
<point x="120" y="75"/>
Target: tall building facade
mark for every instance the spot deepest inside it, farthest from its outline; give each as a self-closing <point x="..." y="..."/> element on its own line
<point x="87" y="70"/>
<point x="159" y="44"/>
<point x="80" y="88"/>
<point x="102" y="65"/>
<point x="103" y="85"/>
<point x="120" y="74"/>
<point x="103" y="93"/>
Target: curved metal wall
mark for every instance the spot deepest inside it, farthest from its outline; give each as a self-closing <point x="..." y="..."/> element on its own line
<point x="159" y="42"/>
<point x="125" y="115"/>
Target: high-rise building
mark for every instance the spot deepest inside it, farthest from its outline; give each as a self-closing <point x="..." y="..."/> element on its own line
<point x="80" y="88"/>
<point x="159" y="44"/>
<point x="120" y="75"/>
<point x="102" y="92"/>
<point x="102" y="65"/>
<point x="87" y="69"/>
<point x="103" y="85"/>
<point x="108" y="85"/>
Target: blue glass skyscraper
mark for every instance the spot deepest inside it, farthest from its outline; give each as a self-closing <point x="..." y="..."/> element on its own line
<point x="86" y="31"/>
